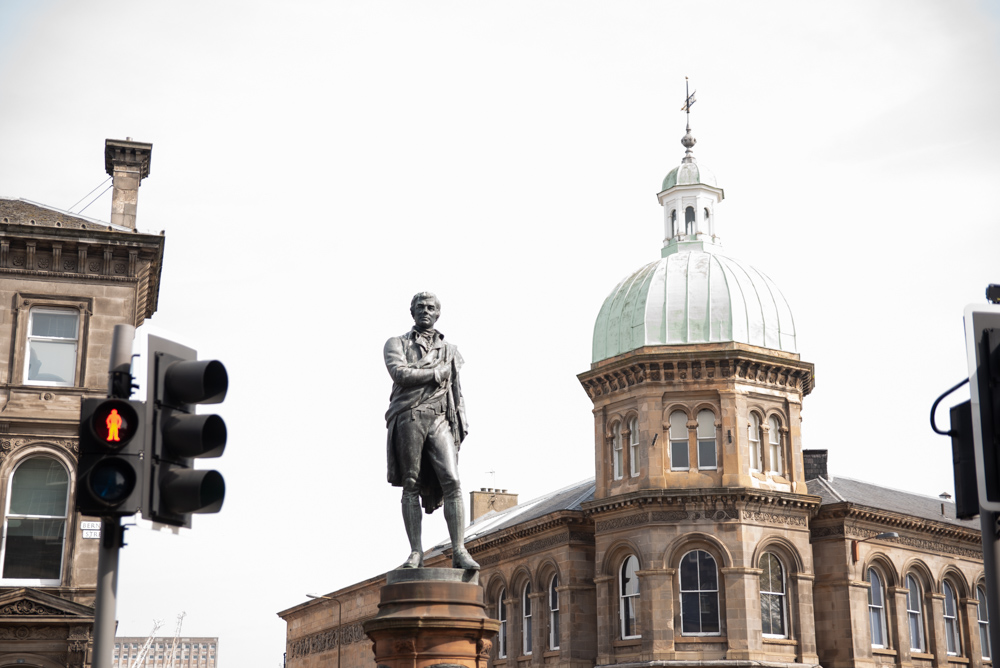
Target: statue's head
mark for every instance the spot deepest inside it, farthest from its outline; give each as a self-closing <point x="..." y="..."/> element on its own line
<point x="425" y="309"/>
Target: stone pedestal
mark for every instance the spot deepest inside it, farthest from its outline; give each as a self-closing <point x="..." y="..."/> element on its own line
<point x="432" y="618"/>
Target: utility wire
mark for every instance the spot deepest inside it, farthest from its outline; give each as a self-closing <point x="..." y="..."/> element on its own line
<point x="95" y="199"/>
<point x="90" y="193"/>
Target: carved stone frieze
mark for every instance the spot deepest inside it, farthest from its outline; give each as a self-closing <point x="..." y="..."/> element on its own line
<point x="32" y="633"/>
<point x="668" y="515"/>
<point x="856" y="533"/>
<point x="517" y="550"/>
<point x="328" y="639"/>
<point x="26" y="607"/>
<point x="622" y="522"/>
<point x="774" y="518"/>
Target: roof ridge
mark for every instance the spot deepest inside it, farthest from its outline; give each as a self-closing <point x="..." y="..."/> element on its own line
<point x="826" y="483"/>
<point x="894" y="489"/>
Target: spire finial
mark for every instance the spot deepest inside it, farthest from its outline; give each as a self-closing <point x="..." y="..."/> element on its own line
<point x="688" y="141"/>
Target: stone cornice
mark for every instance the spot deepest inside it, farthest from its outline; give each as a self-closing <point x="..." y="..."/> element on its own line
<point x="556" y="520"/>
<point x="848" y="517"/>
<point x="677" y="365"/>
<point x="757" y="499"/>
<point x="83" y="252"/>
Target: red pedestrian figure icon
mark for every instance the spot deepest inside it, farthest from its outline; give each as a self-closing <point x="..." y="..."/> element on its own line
<point x="114" y="421"/>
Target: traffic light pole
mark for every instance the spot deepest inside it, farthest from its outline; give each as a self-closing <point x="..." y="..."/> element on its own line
<point x="112" y="533"/>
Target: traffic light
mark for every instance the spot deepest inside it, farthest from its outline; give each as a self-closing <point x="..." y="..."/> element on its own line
<point x="982" y="336"/>
<point x="111" y="476"/>
<point x="177" y="382"/>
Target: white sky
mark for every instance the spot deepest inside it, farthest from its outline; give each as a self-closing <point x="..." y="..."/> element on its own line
<point x="315" y="164"/>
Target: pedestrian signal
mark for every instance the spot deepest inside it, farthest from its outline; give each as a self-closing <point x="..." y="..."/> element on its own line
<point x="110" y="478"/>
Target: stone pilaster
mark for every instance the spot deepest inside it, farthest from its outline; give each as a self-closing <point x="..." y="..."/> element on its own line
<point x="742" y="585"/>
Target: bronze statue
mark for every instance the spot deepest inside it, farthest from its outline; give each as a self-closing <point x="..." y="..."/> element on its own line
<point x="426" y="421"/>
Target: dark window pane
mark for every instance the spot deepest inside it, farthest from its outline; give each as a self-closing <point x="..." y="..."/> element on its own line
<point x="39" y="487"/>
<point x="690" y="622"/>
<point x="706" y="566"/>
<point x="709" y="612"/>
<point x="679" y="455"/>
<point x="689" y="572"/>
<point x="33" y="549"/>
<point x="706" y="454"/>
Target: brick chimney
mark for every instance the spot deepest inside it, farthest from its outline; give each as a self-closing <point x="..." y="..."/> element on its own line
<point x="127" y="162"/>
<point x="815" y="464"/>
<point x="487" y="499"/>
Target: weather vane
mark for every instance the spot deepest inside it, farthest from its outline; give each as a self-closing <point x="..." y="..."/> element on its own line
<point x="688" y="100"/>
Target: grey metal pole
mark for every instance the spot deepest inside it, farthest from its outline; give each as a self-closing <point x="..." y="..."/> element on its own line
<point x="112" y="533"/>
<point x="105" y="607"/>
<point x="988" y="524"/>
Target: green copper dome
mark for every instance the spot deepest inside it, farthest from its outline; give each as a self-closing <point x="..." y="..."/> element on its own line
<point x="689" y="173"/>
<point x="693" y="296"/>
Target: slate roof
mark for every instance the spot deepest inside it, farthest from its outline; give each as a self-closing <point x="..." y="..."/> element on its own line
<point x="26" y="212"/>
<point x="866" y="494"/>
<point x="567" y="498"/>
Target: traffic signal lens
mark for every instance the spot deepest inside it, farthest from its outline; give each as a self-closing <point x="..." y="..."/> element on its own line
<point x="114" y="423"/>
<point x="111" y="481"/>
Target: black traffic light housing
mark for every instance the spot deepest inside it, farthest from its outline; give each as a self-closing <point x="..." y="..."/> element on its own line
<point x="176" y="383"/>
<point x="982" y="332"/>
<point x="111" y="477"/>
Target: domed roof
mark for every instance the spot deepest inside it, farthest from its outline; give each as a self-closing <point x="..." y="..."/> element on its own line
<point x="689" y="173"/>
<point x="693" y="296"/>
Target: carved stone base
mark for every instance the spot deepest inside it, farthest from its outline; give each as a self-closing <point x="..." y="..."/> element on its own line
<point x="432" y="618"/>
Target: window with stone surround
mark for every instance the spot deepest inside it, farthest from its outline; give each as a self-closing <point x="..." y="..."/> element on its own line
<point x="673" y="223"/>
<point x="679" y="450"/>
<point x="915" y="614"/>
<point x="774" y="444"/>
<point x="876" y="609"/>
<point x="982" y="614"/>
<point x="773" y="610"/>
<point x="952" y="635"/>
<point x="753" y="438"/>
<point x="699" y="587"/>
<point x="707" y="451"/>
<point x="628" y="596"/>
<point x="633" y="446"/>
<point x="51" y="347"/>
<point x="34" y="526"/>
<point x="617" y="453"/>
<point x="502" y="616"/>
<point x="554" y="613"/>
<point x="526" y="626"/>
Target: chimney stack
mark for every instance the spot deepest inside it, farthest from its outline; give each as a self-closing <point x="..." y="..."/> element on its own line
<point x="489" y="499"/>
<point x="815" y="464"/>
<point x="127" y="162"/>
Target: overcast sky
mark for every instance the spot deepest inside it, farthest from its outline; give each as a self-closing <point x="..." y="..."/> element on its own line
<point x="315" y="164"/>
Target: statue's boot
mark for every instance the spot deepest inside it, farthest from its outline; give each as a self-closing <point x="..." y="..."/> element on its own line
<point x="411" y="520"/>
<point x="454" y="515"/>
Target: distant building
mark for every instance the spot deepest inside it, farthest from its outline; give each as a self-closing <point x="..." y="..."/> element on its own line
<point x="708" y="536"/>
<point x="187" y="652"/>
<point x="65" y="282"/>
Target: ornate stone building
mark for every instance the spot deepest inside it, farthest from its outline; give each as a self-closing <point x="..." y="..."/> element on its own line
<point x="65" y="282"/>
<point x="704" y="539"/>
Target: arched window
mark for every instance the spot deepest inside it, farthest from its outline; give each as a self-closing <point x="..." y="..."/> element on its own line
<point x="774" y="442"/>
<point x="502" y="616"/>
<point x="526" y="619"/>
<point x="707" y="458"/>
<point x="554" y="613"/>
<point x="984" y="621"/>
<point x="673" y="223"/>
<point x="753" y="437"/>
<point x="51" y="350"/>
<point x="616" y="449"/>
<point x="628" y="593"/>
<point x="876" y="609"/>
<point x="699" y="594"/>
<point x="35" y="523"/>
<point x="633" y="446"/>
<point x="953" y="640"/>
<point x="708" y="217"/>
<point x="772" y="597"/>
<point x="915" y="613"/>
<point x="689" y="225"/>
<point x="679" y="452"/>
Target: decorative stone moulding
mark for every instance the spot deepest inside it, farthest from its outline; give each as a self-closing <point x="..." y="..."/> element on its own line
<point x="664" y="365"/>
